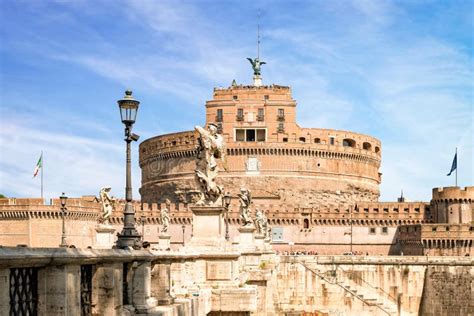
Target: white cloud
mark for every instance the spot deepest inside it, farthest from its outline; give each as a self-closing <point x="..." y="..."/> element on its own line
<point x="72" y="164"/>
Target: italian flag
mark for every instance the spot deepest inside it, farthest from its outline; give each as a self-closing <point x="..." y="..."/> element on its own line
<point x="39" y="165"/>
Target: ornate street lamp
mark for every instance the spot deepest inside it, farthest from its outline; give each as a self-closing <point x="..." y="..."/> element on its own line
<point x="227" y="198"/>
<point x="129" y="237"/>
<point x="63" y="199"/>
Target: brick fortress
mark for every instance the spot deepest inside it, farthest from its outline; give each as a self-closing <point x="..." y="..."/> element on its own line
<point x="318" y="187"/>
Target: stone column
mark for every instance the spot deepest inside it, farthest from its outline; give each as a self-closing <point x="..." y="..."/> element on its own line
<point x="4" y="291"/>
<point x="59" y="290"/>
<point x="161" y="283"/>
<point x="107" y="289"/>
<point x="141" y="287"/>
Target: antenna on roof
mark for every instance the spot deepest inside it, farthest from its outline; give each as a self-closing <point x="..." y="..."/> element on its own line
<point x="258" y="35"/>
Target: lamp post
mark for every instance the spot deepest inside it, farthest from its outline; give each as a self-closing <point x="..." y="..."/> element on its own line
<point x="227" y="198"/>
<point x="63" y="199"/>
<point x="183" y="227"/>
<point x="129" y="237"/>
<point x="143" y="219"/>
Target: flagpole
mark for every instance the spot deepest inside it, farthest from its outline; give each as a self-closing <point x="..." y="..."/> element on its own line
<point x="456" y="167"/>
<point x="42" y="167"/>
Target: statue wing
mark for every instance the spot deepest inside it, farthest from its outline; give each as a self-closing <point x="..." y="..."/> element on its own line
<point x="262" y="63"/>
<point x="251" y="61"/>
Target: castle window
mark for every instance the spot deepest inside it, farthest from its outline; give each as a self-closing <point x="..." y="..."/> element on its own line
<point x="219" y="117"/>
<point x="285" y="139"/>
<point x="406" y="210"/>
<point x="447" y="228"/>
<point x="306" y="223"/>
<point x="372" y="230"/>
<point x="266" y="97"/>
<point x="260" y="135"/>
<point x="260" y="116"/>
<point x="385" y="210"/>
<point x="302" y="140"/>
<point x="317" y="140"/>
<point x="240" y="135"/>
<point x="281" y="115"/>
<point x="331" y="140"/>
<point x="250" y="135"/>
<point x="234" y="97"/>
<point x="366" y="146"/>
<point x="348" y="142"/>
<point x="281" y="127"/>
<point x="384" y="230"/>
<point x="377" y="149"/>
<point x="433" y="229"/>
<point x="240" y="114"/>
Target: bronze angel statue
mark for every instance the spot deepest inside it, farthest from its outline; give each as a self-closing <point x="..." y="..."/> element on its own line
<point x="256" y="63"/>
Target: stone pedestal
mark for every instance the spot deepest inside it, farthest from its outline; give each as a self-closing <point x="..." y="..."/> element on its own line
<point x="259" y="241"/>
<point x="268" y="243"/>
<point x="160" y="283"/>
<point x="257" y="80"/>
<point x="208" y="228"/>
<point x="247" y="242"/>
<point x="164" y="241"/>
<point x="104" y="236"/>
<point x="142" y="299"/>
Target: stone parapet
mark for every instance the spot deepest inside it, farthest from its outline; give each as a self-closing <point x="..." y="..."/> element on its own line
<point x="453" y="194"/>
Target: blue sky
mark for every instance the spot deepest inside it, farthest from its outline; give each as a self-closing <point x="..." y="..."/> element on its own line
<point x="401" y="71"/>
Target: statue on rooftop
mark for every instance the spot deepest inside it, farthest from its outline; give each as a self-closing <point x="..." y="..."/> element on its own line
<point x="256" y="63"/>
<point x="165" y="217"/>
<point x="107" y="203"/>
<point x="245" y="200"/>
<point x="211" y="146"/>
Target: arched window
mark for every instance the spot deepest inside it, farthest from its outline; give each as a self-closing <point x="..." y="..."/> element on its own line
<point x="302" y="140"/>
<point x="348" y="142"/>
<point x="366" y="146"/>
<point x="377" y="149"/>
<point x="306" y="223"/>
<point x="317" y="140"/>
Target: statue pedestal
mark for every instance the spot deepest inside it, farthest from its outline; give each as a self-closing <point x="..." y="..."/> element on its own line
<point x="104" y="236"/>
<point x="164" y="241"/>
<point x="257" y="80"/>
<point x="268" y="243"/>
<point x="208" y="228"/>
<point x="246" y="242"/>
<point x="260" y="241"/>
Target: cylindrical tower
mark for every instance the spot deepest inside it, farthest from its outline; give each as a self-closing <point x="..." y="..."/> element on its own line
<point x="268" y="153"/>
<point x="453" y="205"/>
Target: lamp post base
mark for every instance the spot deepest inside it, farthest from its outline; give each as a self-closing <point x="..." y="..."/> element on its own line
<point x="129" y="238"/>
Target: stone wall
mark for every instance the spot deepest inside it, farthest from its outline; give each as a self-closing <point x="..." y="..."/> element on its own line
<point x="448" y="290"/>
<point x="375" y="285"/>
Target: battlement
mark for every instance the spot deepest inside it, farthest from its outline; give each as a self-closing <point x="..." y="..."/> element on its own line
<point x="237" y="88"/>
<point x="454" y="194"/>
